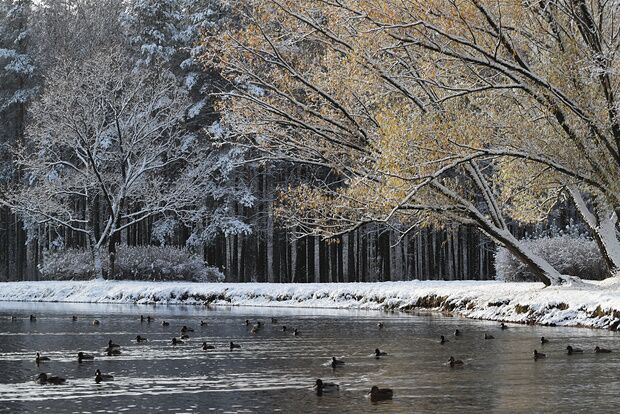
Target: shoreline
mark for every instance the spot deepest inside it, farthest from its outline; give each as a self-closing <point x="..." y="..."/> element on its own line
<point x="592" y="304"/>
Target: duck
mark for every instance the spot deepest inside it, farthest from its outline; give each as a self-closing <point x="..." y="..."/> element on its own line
<point x="455" y="362"/>
<point x="296" y="332"/>
<point x="380" y="394"/>
<point x="570" y="350"/>
<point x="336" y="362"/>
<point x="457" y="332"/>
<point x="543" y="340"/>
<point x="380" y="325"/>
<point x="33" y="318"/>
<point x="247" y="322"/>
<point x="96" y="322"/>
<point x="284" y="328"/>
<point x="74" y="318"/>
<point x="140" y="339"/>
<point x="274" y="321"/>
<point x="325" y="387"/>
<point x="502" y="326"/>
<point x="602" y="350"/>
<point x="13" y="319"/>
<point x="99" y="377"/>
<point x="176" y="341"/>
<point x="149" y="319"/>
<point x="203" y="323"/>
<point x="539" y="355"/>
<point x="255" y="329"/>
<point x="113" y="352"/>
<point x="443" y="340"/>
<point x="206" y="347"/>
<point x="487" y="336"/>
<point x="142" y="318"/>
<point x="112" y="344"/>
<point x="44" y="378"/>
<point x="38" y="359"/>
<point x="164" y="323"/>
<point x="84" y="357"/>
<point x="234" y="346"/>
<point x="379" y="353"/>
<point x="185" y="329"/>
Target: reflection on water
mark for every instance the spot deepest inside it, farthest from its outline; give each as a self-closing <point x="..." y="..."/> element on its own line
<point x="275" y="371"/>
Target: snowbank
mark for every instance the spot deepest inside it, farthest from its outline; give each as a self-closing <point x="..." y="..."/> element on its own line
<point x="591" y="304"/>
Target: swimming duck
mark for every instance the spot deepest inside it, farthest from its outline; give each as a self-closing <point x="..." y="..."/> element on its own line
<point x="284" y="328"/>
<point x="203" y="323"/>
<point x="570" y="350"/>
<point x="379" y="353"/>
<point x="164" y="323"/>
<point x="33" y="318"/>
<point x="336" y="362"/>
<point x="12" y="318"/>
<point x="443" y="340"/>
<point x="380" y="325"/>
<point x="185" y="329"/>
<point x="487" y="336"/>
<point x="74" y="318"/>
<point x="455" y="362"/>
<point x="43" y="379"/>
<point x="502" y="326"/>
<point x="247" y="322"/>
<point x="206" y="347"/>
<point x="149" y="319"/>
<point x="543" y="340"/>
<point x="176" y="341"/>
<point x="602" y="350"/>
<point x="325" y="387"/>
<point x="96" y="322"/>
<point x="539" y="355"/>
<point x="99" y="377"/>
<point x="457" y="332"/>
<point x="84" y="357"/>
<point x="40" y="358"/>
<point x="113" y="351"/>
<point x="274" y="320"/>
<point x="140" y="339"/>
<point x="296" y="332"/>
<point x="234" y="346"/>
<point x="255" y="329"/>
<point x="142" y="318"/>
<point x="380" y="394"/>
<point x="112" y="344"/>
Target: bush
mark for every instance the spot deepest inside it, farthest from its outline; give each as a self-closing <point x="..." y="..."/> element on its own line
<point x="574" y="255"/>
<point x="132" y="263"/>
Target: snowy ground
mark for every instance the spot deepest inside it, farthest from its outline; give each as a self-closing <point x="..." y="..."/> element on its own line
<point x="591" y="304"/>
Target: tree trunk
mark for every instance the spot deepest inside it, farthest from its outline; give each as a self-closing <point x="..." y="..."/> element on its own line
<point x="317" y="259"/>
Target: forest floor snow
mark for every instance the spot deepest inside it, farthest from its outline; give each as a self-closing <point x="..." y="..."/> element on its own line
<point x="589" y="304"/>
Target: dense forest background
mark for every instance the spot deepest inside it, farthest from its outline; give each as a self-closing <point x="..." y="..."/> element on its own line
<point x="242" y="233"/>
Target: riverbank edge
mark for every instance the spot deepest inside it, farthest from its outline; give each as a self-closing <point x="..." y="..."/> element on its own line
<point x="587" y="304"/>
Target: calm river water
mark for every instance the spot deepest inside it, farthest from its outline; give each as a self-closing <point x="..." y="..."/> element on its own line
<point x="274" y="371"/>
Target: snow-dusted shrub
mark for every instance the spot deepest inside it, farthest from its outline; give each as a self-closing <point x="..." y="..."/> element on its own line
<point x="570" y="254"/>
<point x="133" y="263"/>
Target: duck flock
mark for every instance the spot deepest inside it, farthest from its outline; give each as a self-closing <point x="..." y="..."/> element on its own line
<point x="320" y="387"/>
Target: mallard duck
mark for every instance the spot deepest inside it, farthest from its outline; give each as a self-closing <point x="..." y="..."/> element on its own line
<point x="325" y="387"/>
<point x="176" y="341"/>
<point x="43" y="379"/>
<point x="247" y="322"/>
<point x="255" y="329"/>
<point x="296" y="332"/>
<point x="457" y="332"/>
<point x="284" y="328"/>
<point x="99" y="377"/>
<point x="206" y="347"/>
<point x="203" y="323"/>
<point x="543" y="340"/>
<point x="380" y="325"/>
<point x="539" y="355"/>
<point x="487" y="336"/>
<point x="455" y="362"/>
<point x="602" y="350"/>
<point x="38" y="359"/>
<point x="336" y="362"/>
<point x="140" y="339"/>
<point x="380" y="394"/>
<point x="234" y="346"/>
<point x="443" y="340"/>
<point x="379" y="353"/>
<point x="96" y="322"/>
<point x="185" y="329"/>
<point x="112" y="344"/>
<point x="33" y="318"/>
<point x="84" y="356"/>
<point x="274" y="320"/>
<point x="113" y="352"/>
<point x="503" y="326"/>
<point x="74" y="318"/>
<point x="164" y="323"/>
<point x="570" y="350"/>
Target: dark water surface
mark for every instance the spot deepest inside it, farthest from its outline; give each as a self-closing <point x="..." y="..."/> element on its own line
<point x="275" y="371"/>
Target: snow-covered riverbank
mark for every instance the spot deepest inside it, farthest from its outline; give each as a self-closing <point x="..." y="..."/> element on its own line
<point x="591" y="304"/>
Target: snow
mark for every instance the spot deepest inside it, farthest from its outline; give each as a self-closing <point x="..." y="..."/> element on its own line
<point x="593" y="304"/>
